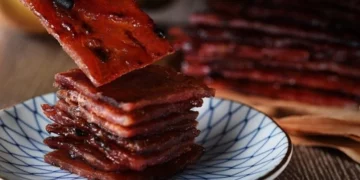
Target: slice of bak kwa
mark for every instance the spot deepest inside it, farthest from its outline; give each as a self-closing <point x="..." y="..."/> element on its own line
<point x="139" y="145"/>
<point x="84" y="119"/>
<point x="291" y="93"/>
<point x="313" y="66"/>
<point x="109" y="157"/>
<point x="148" y="86"/>
<point x="308" y="79"/>
<point x="216" y="20"/>
<point x="63" y="160"/>
<point x="121" y="117"/>
<point x="106" y="38"/>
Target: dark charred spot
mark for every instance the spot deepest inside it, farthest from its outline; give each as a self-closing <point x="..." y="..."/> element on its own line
<point x="101" y="53"/>
<point x="80" y="132"/>
<point x="66" y="4"/>
<point x="86" y="29"/>
<point x="215" y="75"/>
<point x="96" y="46"/>
<point x="160" y="33"/>
<point x="133" y="39"/>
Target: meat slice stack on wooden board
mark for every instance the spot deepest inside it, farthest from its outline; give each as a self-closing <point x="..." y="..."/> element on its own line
<point x="118" y="116"/>
<point x="306" y="52"/>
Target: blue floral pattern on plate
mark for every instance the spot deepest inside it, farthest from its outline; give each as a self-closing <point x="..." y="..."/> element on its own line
<point x="240" y="142"/>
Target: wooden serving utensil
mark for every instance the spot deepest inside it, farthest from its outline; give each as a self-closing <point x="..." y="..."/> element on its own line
<point x="350" y="147"/>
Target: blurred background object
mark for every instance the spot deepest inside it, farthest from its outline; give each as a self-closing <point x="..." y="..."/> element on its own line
<point x="14" y="14"/>
<point x="154" y="4"/>
<point x="298" y="62"/>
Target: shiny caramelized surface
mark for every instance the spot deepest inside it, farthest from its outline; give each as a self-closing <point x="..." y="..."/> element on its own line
<point x="106" y="38"/>
<point x="148" y="86"/>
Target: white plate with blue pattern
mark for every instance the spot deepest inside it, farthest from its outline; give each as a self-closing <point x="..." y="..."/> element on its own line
<point x="240" y="142"/>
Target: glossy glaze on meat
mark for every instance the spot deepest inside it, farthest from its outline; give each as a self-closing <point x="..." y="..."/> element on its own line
<point x="116" y="115"/>
<point x="63" y="160"/>
<point x="106" y="39"/>
<point x="152" y="85"/>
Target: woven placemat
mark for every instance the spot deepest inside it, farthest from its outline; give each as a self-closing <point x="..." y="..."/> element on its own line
<point x="320" y="163"/>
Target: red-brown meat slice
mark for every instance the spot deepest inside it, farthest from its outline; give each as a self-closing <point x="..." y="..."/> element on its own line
<point x="212" y="42"/>
<point x="152" y="85"/>
<point x="315" y="66"/>
<point x="83" y="118"/>
<point x="109" y="157"/>
<point x="106" y="38"/>
<point x="63" y="160"/>
<point x="140" y="145"/>
<point x="213" y="19"/>
<point x="124" y="118"/>
<point x="310" y="16"/>
<point x="316" y="80"/>
<point x="286" y="93"/>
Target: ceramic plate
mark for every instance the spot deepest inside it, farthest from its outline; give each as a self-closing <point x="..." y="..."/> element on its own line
<point x="240" y="142"/>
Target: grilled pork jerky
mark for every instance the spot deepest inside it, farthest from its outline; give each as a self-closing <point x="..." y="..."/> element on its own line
<point x="105" y="38"/>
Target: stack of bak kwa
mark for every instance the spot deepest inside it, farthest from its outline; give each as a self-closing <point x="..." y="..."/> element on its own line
<point x="118" y="116"/>
<point x="305" y="52"/>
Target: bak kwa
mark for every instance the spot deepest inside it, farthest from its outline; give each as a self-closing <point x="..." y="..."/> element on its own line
<point x="63" y="160"/>
<point x="124" y="118"/>
<point x="82" y="118"/>
<point x="109" y="157"/>
<point x="151" y="85"/>
<point x="140" y="145"/>
<point x="106" y="38"/>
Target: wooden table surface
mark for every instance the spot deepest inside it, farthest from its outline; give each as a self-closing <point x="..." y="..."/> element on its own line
<point x="27" y="67"/>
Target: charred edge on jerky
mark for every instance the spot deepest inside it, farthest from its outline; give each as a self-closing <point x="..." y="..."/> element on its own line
<point x="80" y="132"/>
<point x="66" y="4"/>
<point x="95" y="45"/>
<point x="86" y="29"/>
<point x="132" y="38"/>
<point x="160" y="33"/>
<point x="101" y="53"/>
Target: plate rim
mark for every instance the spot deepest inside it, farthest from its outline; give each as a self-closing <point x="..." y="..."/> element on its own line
<point x="270" y="175"/>
<point x="287" y="158"/>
